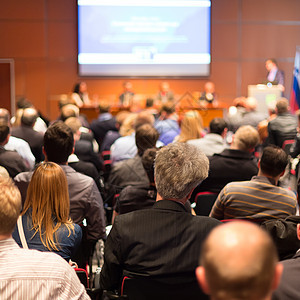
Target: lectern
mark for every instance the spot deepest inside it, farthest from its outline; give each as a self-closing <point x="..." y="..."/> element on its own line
<point x="264" y="95"/>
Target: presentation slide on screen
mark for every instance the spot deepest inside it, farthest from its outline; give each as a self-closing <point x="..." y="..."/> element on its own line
<point x="144" y="38"/>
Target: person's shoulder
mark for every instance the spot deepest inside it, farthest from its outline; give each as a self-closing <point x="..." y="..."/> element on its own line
<point x="24" y="176"/>
<point x="74" y="175"/>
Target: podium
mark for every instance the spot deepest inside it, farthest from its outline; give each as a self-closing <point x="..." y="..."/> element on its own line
<point x="264" y="95"/>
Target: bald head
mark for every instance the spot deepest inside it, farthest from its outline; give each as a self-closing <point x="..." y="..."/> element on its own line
<point x="239" y="261"/>
<point x="29" y="117"/>
<point x="5" y="115"/>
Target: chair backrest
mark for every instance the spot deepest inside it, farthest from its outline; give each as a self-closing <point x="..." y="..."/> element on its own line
<point x="204" y="203"/>
<point x="83" y="276"/>
<point x="150" y="289"/>
<point x="286" y="146"/>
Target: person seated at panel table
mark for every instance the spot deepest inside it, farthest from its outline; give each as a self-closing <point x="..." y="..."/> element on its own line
<point x="165" y="94"/>
<point x="80" y="94"/>
<point x="209" y="94"/>
<point x="126" y="98"/>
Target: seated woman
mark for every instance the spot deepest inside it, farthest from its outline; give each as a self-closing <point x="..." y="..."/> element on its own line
<point x="45" y="216"/>
<point x="80" y="94"/>
<point x="191" y="127"/>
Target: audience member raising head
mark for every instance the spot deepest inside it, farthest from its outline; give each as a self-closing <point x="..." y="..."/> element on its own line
<point x="239" y="261"/>
<point x="46" y="220"/>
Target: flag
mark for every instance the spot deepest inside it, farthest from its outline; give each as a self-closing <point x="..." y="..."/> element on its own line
<point x="295" y="93"/>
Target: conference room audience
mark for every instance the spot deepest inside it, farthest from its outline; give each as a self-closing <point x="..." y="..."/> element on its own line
<point x="46" y="224"/>
<point x="214" y="141"/>
<point x="30" y="274"/>
<point x="191" y="127"/>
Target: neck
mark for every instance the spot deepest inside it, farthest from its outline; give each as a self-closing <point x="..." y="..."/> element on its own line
<point x="159" y="197"/>
<point x="260" y="173"/>
<point x="5" y="236"/>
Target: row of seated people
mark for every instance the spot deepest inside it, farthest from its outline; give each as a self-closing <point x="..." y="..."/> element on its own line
<point x="60" y="137"/>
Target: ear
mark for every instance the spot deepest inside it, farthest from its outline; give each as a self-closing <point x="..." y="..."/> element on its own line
<point x="45" y="154"/>
<point x="258" y="164"/>
<point x="277" y="276"/>
<point x="298" y="231"/>
<point x="200" y="274"/>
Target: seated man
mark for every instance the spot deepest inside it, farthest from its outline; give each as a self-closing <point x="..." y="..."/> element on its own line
<point x="131" y="171"/>
<point x="289" y="284"/>
<point x="10" y="160"/>
<point x="234" y="164"/>
<point x="161" y="241"/>
<point x="260" y="198"/>
<point x="214" y="141"/>
<point x="239" y="261"/>
<point x="30" y="274"/>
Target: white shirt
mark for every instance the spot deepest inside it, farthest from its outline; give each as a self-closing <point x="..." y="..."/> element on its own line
<point x="31" y="274"/>
<point x="23" y="148"/>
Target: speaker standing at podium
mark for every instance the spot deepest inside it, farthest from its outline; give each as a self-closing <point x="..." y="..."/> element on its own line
<point x="275" y="76"/>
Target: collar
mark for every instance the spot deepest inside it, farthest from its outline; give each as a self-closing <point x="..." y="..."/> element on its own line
<point x="234" y="153"/>
<point x="264" y="179"/>
<point x="169" y="205"/>
<point x="73" y="158"/>
<point x="105" y="116"/>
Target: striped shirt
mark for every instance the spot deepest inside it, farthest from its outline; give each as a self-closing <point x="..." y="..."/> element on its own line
<point x="30" y="274"/>
<point x="257" y="199"/>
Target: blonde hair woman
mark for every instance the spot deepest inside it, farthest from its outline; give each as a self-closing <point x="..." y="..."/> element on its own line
<point x="45" y="215"/>
<point x="191" y="127"/>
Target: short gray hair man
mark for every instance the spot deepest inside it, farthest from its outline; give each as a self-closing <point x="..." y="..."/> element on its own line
<point x="179" y="168"/>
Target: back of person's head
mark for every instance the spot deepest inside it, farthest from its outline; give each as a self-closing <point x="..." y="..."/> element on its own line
<point x="121" y="117"/>
<point x="149" y="102"/>
<point x="58" y="142"/>
<point x="68" y="111"/>
<point x="5" y="115"/>
<point x="273" y="161"/>
<point x="148" y="162"/>
<point x="144" y="117"/>
<point x="246" y="138"/>
<point x="217" y="125"/>
<point x="282" y="105"/>
<point x="29" y="117"/>
<point x="23" y="103"/>
<point x="251" y="103"/>
<point x="104" y="107"/>
<point x="48" y="200"/>
<point x="191" y="126"/>
<point x="239" y="261"/>
<point x="4" y="131"/>
<point x="74" y="124"/>
<point x="168" y="108"/>
<point x="179" y="168"/>
<point x="146" y="137"/>
<point x="10" y="199"/>
<point x="3" y="172"/>
<point x="128" y="125"/>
